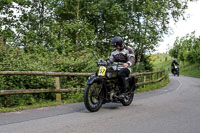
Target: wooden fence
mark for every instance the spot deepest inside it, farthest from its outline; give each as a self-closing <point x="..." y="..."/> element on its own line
<point x="159" y="76"/>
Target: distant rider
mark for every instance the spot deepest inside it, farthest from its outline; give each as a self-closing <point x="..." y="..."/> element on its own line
<point x="174" y="63"/>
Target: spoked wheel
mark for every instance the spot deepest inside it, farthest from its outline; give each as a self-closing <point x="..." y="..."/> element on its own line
<point x="93" y="97"/>
<point x="128" y="99"/>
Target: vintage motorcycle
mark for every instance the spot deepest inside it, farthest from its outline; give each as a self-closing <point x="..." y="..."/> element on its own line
<point x="102" y="87"/>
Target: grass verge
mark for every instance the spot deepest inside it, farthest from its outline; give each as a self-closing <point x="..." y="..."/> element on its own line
<point x="72" y="97"/>
<point x="192" y="70"/>
<point x="154" y="86"/>
<point x="24" y="107"/>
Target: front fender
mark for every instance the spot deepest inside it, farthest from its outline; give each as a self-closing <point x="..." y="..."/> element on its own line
<point x="92" y="79"/>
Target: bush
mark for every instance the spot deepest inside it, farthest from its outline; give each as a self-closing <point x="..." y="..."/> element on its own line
<point x="40" y="59"/>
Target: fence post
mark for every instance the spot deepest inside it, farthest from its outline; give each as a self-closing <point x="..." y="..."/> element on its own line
<point x="162" y="74"/>
<point x="145" y="77"/>
<point x="152" y="77"/>
<point x="58" y="95"/>
<point x="157" y="75"/>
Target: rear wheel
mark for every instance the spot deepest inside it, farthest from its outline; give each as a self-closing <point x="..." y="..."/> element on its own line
<point x="93" y="97"/>
<point x="128" y="99"/>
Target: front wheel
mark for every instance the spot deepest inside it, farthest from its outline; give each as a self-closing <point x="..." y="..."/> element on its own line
<point x="93" y="97"/>
<point x="128" y="99"/>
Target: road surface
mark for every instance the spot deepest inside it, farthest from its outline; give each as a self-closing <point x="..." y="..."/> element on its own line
<point x="172" y="109"/>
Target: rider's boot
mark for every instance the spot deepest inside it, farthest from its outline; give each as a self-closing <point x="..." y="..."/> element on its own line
<point x="124" y="88"/>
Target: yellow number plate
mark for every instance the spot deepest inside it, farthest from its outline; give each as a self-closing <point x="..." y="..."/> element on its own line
<point x="102" y="71"/>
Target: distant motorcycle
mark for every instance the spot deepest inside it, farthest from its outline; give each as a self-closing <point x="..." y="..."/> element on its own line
<point x="102" y="87"/>
<point x="175" y="70"/>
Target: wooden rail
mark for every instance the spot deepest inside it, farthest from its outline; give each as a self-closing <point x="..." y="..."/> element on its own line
<point x="43" y="73"/>
<point x="58" y="90"/>
<point x="62" y="73"/>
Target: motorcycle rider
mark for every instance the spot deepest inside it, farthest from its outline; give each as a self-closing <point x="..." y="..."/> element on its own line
<point x="124" y="56"/>
<point x="174" y="63"/>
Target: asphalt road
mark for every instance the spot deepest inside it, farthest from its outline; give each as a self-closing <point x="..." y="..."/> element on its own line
<point x="172" y="109"/>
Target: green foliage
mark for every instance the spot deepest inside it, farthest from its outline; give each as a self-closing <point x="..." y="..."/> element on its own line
<point x="154" y="86"/>
<point x="189" y="69"/>
<point x="192" y="70"/>
<point x="38" y="59"/>
<point x="74" y="24"/>
<point x="174" y="52"/>
<point x="187" y="49"/>
<point x="72" y="97"/>
<point x="145" y="65"/>
<point x="161" y="61"/>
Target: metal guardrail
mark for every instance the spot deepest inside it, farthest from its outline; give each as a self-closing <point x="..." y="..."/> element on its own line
<point x="58" y="90"/>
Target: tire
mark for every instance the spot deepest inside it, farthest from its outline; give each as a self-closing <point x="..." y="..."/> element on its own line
<point x="92" y="97"/>
<point x="128" y="100"/>
<point x="175" y="72"/>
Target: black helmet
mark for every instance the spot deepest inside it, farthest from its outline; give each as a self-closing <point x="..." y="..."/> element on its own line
<point x="117" y="41"/>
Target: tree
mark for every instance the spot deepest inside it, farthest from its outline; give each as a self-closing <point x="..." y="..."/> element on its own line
<point x="186" y="48"/>
<point x="151" y="22"/>
<point x="73" y="25"/>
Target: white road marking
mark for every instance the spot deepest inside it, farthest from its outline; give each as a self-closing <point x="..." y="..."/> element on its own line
<point x="180" y="84"/>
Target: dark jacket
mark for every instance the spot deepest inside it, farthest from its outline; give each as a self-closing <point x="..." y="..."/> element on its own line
<point x="126" y="55"/>
<point x="174" y="62"/>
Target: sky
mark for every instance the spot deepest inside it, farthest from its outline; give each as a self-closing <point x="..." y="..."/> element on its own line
<point x="183" y="27"/>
